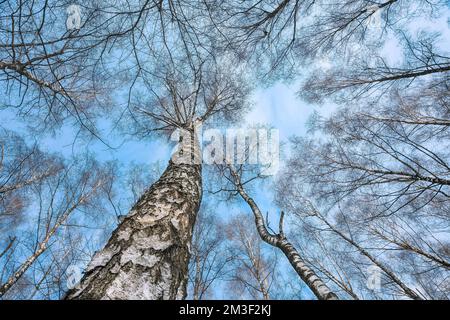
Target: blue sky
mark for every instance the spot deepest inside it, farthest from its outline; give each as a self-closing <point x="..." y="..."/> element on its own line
<point x="277" y="106"/>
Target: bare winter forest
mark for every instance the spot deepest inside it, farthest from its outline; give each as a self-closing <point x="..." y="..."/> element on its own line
<point x="225" y="149"/>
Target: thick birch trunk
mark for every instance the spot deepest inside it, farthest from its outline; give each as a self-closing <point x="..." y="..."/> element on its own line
<point x="147" y="255"/>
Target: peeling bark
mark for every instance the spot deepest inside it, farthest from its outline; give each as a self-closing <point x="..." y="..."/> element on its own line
<point x="147" y="256"/>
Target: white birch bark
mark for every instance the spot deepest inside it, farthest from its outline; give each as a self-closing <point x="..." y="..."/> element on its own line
<point x="309" y="277"/>
<point x="147" y="256"/>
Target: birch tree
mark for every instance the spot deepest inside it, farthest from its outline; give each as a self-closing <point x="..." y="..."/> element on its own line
<point x="147" y="256"/>
<point x="162" y="47"/>
<point x="209" y="255"/>
<point x="254" y="271"/>
<point x="235" y="184"/>
<point x="39" y="195"/>
<point x="391" y="162"/>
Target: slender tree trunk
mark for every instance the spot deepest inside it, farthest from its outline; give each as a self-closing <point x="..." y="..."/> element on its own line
<point x="197" y="279"/>
<point x="41" y="247"/>
<point x="147" y="256"/>
<point x="407" y="290"/>
<point x="309" y="277"/>
<point x="10" y="244"/>
<point x="409" y="247"/>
